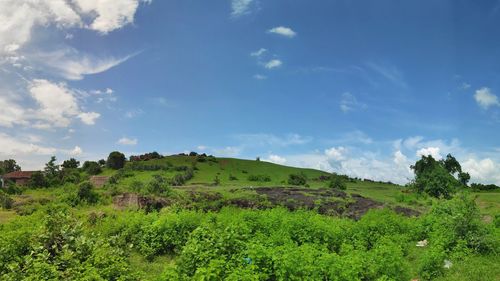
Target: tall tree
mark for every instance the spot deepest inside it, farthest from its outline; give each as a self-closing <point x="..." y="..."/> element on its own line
<point x="51" y="168"/>
<point x="72" y="163"/>
<point x="9" y="165"/>
<point x="451" y="164"/>
<point x="116" y="160"/>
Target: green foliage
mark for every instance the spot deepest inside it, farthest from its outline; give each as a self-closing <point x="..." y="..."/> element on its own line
<point x="70" y="175"/>
<point x="297" y="179"/>
<point x="9" y="165"/>
<point x="38" y="180"/>
<point x="435" y="178"/>
<point x="337" y="182"/>
<point x="259" y="178"/>
<point x="158" y="185"/>
<point x="5" y="201"/>
<point x="52" y="171"/>
<point x="72" y="163"/>
<point x="86" y="193"/>
<point x="60" y="250"/>
<point x="116" y="160"/>
<point x="92" y="167"/>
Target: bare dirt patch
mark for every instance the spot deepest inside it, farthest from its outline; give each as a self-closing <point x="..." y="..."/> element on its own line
<point x="136" y="201"/>
<point x="326" y="201"/>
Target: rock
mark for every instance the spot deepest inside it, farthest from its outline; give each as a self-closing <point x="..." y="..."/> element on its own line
<point x="422" y="243"/>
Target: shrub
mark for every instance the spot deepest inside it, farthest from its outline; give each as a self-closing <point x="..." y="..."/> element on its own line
<point x="116" y="160"/>
<point x="232" y="178"/>
<point x="5" y="201"/>
<point x="260" y="178"/>
<point x="38" y="180"/>
<point x="92" y="167"/>
<point x="297" y="179"/>
<point x="86" y="193"/>
<point x="337" y="182"/>
<point x="158" y="185"/>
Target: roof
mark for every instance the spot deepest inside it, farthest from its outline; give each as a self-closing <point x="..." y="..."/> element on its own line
<point x="18" y="175"/>
<point x="99" y="180"/>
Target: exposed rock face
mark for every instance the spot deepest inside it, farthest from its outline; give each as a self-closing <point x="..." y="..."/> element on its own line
<point x="136" y="201"/>
<point x="99" y="181"/>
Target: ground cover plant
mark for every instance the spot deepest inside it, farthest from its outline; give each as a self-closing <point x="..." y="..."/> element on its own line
<point x="166" y="218"/>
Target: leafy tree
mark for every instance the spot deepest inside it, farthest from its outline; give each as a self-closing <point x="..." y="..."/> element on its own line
<point x="7" y="166"/>
<point x="92" y="167"/>
<point x="116" y="160"/>
<point x="72" y="163"/>
<point x="38" y="180"/>
<point x="52" y="171"/>
<point x="102" y="162"/>
<point x="463" y="178"/>
<point x="451" y="164"/>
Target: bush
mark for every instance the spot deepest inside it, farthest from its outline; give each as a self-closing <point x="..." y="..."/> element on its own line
<point x="260" y="178"/>
<point x="86" y="193"/>
<point x="116" y="160"/>
<point x="158" y="185"/>
<point x="92" y="167"/>
<point x="297" y="179"/>
<point x="337" y="182"/>
<point x="38" y="180"/>
<point x="5" y="201"/>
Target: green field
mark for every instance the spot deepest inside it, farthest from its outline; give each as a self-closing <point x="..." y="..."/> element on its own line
<point x="220" y="225"/>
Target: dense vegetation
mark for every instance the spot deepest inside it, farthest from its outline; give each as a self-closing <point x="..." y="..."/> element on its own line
<point x="197" y="218"/>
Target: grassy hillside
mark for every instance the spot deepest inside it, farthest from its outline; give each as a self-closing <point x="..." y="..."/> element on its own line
<point x="220" y="223"/>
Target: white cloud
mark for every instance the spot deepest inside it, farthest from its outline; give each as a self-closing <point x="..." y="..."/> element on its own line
<point x="240" y="7"/>
<point x="89" y="118"/>
<point x="432" y="151"/>
<point x="11" y="113"/>
<point x="284" y="31"/>
<point x="201" y="147"/>
<point x="258" y="53"/>
<point x="57" y="105"/>
<point x="273" y="158"/>
<point x="272" y="140"/>
<point x="77" y="151"/>
<point x="260" y="77"/>
<point x="13" y="147"/>
<point x="228" y="151"/>
<point x="484" y="170"/>
<point x="19" y="18"/>
<point x="273" y="64"/>
<point x="336" y="153"/>
<point x="485" y="98"/>
<point x="349" y="102"/>
<point x="127" y="141"/>
<point x="72" y="64"/>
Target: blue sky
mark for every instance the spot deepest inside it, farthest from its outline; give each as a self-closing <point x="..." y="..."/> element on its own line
<point x="347" y="86"/>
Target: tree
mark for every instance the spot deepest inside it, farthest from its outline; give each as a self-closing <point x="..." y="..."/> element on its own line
<point x="102" y="162"/>
<point x="463" y="178"/>
<point x="8" y="166"/>
<point x="451" y="164"/>
<point x="435" y="177"/>
<point x="52" y="170"/>
<point x="92" y="167"/>
<point x="38" y="180"/>
<point x="70" y="164"/>
<point x="116" y="160"/>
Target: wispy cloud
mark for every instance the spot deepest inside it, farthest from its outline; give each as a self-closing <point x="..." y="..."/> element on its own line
<point x="274" y="63"/>
<point x="389" y="72"/>
<point x="349" y="102"/>
<point x="283" y="31"/>
<point x="485" y="98"/>
<point x="127" y="141"/>
<point x="241" y="7"/>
